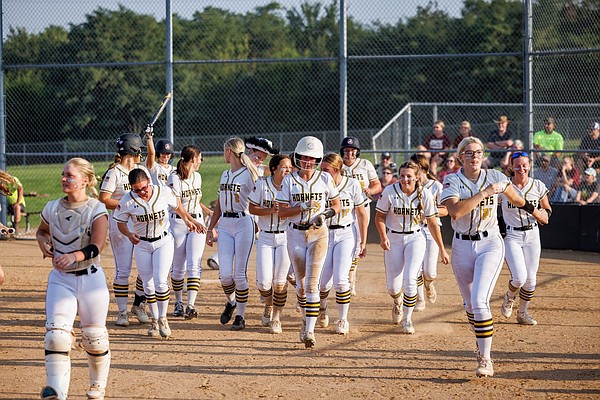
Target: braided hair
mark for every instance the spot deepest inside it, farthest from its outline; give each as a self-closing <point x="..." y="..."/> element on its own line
<point x="415" y="167"/>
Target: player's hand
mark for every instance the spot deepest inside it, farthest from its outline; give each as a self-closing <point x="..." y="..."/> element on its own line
<point x="275" y="208"/>
<point x="492" y="189"/>
<point x="47" y="250"/>
<point x="134" y="238"/>
<point x="64" y="261"/>
<point x="149" y="132"/>
<point x="445" y="256"/>
<point x="385" y="244"/>
<point x="309" y="205"/>
<point x="318" y="220"/>
<point x="363" y="250"/>
<point x="209" y="238"/>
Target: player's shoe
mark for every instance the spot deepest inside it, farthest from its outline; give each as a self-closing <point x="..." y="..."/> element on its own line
<point x="396" y="313"/>
<point x="485" y="368"/>
<point x="153" y="328"/>
<point x="275" y="327"/>
<point x="430" y="292"/>
<point x="407" y="327"/>
<point x="140" y="313"/>
<point x="323" y="318"/>
<point x="303" y="331"/>
<point x="227" y="314"/>
<point x="122" y="318"/>
<point x="310" y="340"/>
<point x="163" y="327"/>
<point x="419" y="305"/>
<point x="343" y="327"/>
<point x="190" y="312"/>
<point x="48" y="393"/>
<point x="524" y="318"/>
<point x="95" y="392"/>
<point x="507" y="306"/>
<point x="178" y="309"/>
<point x="238" y="324"/>
<point x="265" y="319"/>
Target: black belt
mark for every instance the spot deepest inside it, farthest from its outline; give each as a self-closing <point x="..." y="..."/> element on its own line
<point x="301" y="227"/>
<point x="274" y="231"/>
<point x="477" y="236"/>
<point x="92" y="270"/>
<point x="338" y="226"/>
<point x="521" y="228"/>
<point x="234" y="214"/>
<point x="405" y="233"/>
<point x="154" y="239"/>
<point x="193" y="216"/>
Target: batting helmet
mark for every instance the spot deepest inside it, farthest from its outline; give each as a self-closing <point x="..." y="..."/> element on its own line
<point x="351" y="142"/>
<point x="130" y="143"/>
<point x="164" y="146"/>
<point x="308" y="146"/>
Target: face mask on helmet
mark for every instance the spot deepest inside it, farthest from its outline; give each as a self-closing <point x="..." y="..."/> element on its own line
<point x="308" y="146"/>
<point x="130" y="144"/>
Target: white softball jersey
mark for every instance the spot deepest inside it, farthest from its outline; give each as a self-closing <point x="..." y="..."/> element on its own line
<point x="150" y="218"/>
<point x="483" y="217"/>
<point x="263" y="195"/>
<point x="435" y="187"/>
<point x="533" y="191"/>
<point x="234" y="189"/>
<point x="402" y="214"/>
<point x="189" y="191"/>
<point x="116" y="181"/>
<point x="295" y="190"/>
<point x="362" y="170"/>
<point x="351" y="196"/>
<point x="160" y="173"/>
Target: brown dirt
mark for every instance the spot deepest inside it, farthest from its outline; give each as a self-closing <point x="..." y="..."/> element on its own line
<point x="558" y="358"/>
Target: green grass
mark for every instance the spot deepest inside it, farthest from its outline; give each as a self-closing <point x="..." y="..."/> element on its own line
<point x="44" y="179"/>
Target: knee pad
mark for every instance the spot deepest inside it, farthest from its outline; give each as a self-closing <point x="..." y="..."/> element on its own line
<point x="58" y="341"/>
<point x="94" y="340"/>
<point x="280" y="287"/>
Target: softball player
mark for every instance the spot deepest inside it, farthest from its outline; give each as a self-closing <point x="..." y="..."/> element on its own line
<point x="147" y="206"/>
<point x="428" y="271"/>
<point x="523" y="246"/>
<point x="72" y="233"/>
<point x="400" y="210"/>
<point x="342" y="243"/>
<point x="160" y="168"/>
<point x="471" y="197"/>
<point x="258" y="151"/>
<point x="272" y="259"/>
<point x="186" y="183"/>
<point x="304" y="198"/>
<point x="363" y="171"/>
<point x="5" y="181"/>
<point x="236" y="230"/>
<point x="113" y="187"/>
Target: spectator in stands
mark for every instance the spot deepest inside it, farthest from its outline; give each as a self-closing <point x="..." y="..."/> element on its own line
<point x="16" y="202"/>
<point x="588" y="189"/>
<point x="388" y="177"/>
<point x="386" y="161"/>
<point x="465" y="131"/>
<point x="505" y="164"/>
<point x="450" y="166"/>
<point x="499" y="139"/>
<point x="437" y="140"/>
<point x="592" y="142"/>
<point x="549" y="139"/>
<point x="567" y="182"/>
<point x="546" y="173"/>
<point x="434" y="162"/>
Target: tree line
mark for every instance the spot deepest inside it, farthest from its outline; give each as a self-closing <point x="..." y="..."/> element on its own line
<point x="233" y="97"/>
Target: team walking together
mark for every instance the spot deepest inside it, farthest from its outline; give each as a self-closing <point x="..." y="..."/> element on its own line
<point x="306" y="215"/>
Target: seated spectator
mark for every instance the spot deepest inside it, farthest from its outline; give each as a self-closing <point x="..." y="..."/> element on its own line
<point x="433" y="161"/>
<point x="549" y="139"/>
<point x="567" y="182"/>
<point x="588" y="189"/>
<point x="388" y="178"/>
<point x="465" y="131"/>
<point x="592" y="142"/>
<point x="386" y="161"/>
<point x="16" y="201"/>
<point x="505" y="164"/>
<point x="450" y="166"/>
<point x="437" y="140"/>
<point x="499" y="139"/>
<point x="545" y="172"/>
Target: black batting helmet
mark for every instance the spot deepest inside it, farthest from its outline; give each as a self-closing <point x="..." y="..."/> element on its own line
<point x="163" y="146"/>
<point x="130" y="143"/>
<point x="351" y="142"/>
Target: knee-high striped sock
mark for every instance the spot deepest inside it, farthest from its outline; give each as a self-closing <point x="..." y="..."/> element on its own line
<point x="193" y="287"/>
<point x="177" y="285"/>
<point x="512" y="291"/>
<point x="139" y="286"/>
<point x="312" y="311"/>
<point x="525" y="297"/>
<point x="121" y="295"/>
<point x="323" y="296"/>
<point x="241" y="297"/>
<point x="267" y="295"/>
<point x="484" y="330"/>
<point x="408" y="305"/>
<point x="279" y="299"/>
<point x="152" y="305"/>
<point x="229" y="291"/>
<point x="342" y="299"/>
<point x="162" y="299"/>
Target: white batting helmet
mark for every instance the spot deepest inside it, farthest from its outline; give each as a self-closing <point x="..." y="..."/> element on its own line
<point x="308" y="146"/>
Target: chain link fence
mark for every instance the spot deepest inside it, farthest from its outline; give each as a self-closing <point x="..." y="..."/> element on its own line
<point x="78" y="74"/>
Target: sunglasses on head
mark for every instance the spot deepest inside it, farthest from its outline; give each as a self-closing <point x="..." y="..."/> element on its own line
<point x="517" y="154"/>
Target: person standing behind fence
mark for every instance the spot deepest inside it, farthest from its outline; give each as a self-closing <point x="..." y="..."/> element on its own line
<point x="523" y="246"/>
<point x="272" y="259"/>
<point x="549" y="139"/>
<point x="186" y="183"/>
<point x="471" y="197"/>
<point x="236" y="230"/>
<point x="72" y="233"/>
<point x="363" y="171"/>
<point x="498" y="140"/>
<point x="160" y="168"/>
<point x="114" y="185"/>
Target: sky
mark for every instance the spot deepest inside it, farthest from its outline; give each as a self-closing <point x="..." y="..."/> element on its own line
<point x="36" y="15"/>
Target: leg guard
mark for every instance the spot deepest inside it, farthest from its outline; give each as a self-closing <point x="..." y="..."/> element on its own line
<point x="95" y="343"/>
<point x="57" y="344"/>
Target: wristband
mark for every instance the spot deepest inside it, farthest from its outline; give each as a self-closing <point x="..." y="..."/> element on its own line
<point x="90" y="251"/>
<point x="527" y="207"/>
<point x="549" y="211"/>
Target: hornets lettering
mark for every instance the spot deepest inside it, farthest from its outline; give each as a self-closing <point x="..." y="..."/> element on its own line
<point x="406" y="211"/>
<point x="162" y="177"/>
<point x="302" y="197"/>
<point x="191" y="192"/>
<point x="231" y="187"/>
<point x="126" y="186"/>
<point x="488" y="201"/>
<point x="267" y="203"/>
<point x="150" y="217"/>
<point x="535" y="203"/>
<point x="358" y="177"/>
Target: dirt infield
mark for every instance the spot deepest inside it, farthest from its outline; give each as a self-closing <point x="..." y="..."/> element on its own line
<point x="558" y="358"/>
